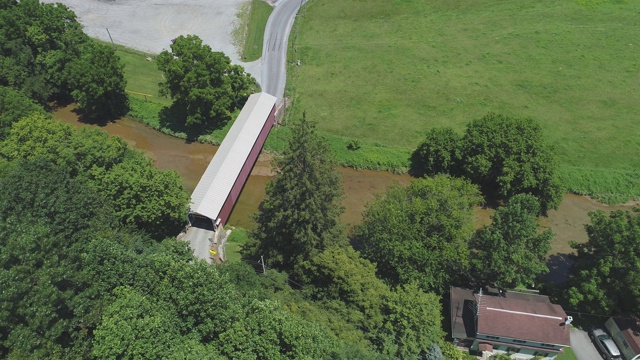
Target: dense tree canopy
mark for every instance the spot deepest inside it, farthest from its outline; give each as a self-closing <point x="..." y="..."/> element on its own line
<point x="45" y="55"/>
<point x="203" y="83"/>
<point x="508" y="156"/>
<point x="505" y="156"/>
<point x="46" y="216"/>
<point x="420" y="233"/>
<point x="434" y="353"/>
<point x="13" y="107"/>
<point x="412" y="320"/>
<point x="142" y="195"/>
<point x="340" y="274"/>
<point x="298" y="217"/>
<point x="510" y="252"/>
<point x="606" y="276"/>
<point x="439" y="153"/>
<point x="37" y="42"/>
<point x="97" y="82"/>
<point x="75" y="286"/>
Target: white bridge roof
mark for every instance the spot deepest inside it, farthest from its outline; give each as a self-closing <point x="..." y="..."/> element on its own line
<point x="223" y="170"/>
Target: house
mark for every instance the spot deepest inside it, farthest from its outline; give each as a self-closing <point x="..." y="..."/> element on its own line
<point x="625" y="331"/>
<point x="524" y="325"/>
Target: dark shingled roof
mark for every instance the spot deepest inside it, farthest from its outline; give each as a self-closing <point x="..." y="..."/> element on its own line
<point x="462" y="313"/>
<point x="522" y="316"/>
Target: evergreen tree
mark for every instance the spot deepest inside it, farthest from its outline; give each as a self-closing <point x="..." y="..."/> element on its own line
<point x="434" y="353"/>
<point x="299" y="216"/>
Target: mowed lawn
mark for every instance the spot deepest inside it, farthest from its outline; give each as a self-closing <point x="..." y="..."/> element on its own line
<point x="260" y="12"/>
<point x="142" y="75"/>
<point x="387" y="71"/>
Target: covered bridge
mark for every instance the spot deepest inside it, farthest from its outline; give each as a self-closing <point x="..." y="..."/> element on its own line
<point x="223" y="180"/>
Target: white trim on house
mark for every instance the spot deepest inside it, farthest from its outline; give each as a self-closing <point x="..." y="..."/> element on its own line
<point x="526" y="313"/>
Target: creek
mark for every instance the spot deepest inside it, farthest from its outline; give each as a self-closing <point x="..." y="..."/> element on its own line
<point x="190" y="159"/>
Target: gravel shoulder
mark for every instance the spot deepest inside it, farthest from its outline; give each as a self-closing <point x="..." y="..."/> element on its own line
<point x="150" y="25"/>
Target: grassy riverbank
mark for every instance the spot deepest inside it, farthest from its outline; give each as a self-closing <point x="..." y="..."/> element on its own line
<point x="455" y="63"/>
<point x="260" y="12"/>
<point x="368" y="156"/>
<point x="387" y="72"/>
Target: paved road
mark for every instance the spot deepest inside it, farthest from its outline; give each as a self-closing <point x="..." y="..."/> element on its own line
<point x="200" y="241"/>
<point x="582" y="345"/>
<point x="274" y="51"/>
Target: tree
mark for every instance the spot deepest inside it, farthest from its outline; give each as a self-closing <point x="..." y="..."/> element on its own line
<point x="133" y="327"/>
<point x="37" y="189"/>
<point x="202" y="83"/>
<point x="153" y="200"/>
<point x="508" y="156"/>
<point x="46" y="217"/>
<point x="13" y="107"/>
<point x="412" y="321"/>
<point x="298" y="217"/>
<point x="420" y="233"/>
<point x="439" y="153"/>
<point x="510" y="251"/>
<point x="98" y="82"/>
<point x="341" y="274"/>
<point x="605" y="278"/>
<point x="434" y="353"/>
<point x="37" y="44"/>
<point x="268" y="332"/>
<point x="85" y="151"/>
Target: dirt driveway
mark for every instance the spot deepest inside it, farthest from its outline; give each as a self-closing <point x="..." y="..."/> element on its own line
<point x="150" y="25"/>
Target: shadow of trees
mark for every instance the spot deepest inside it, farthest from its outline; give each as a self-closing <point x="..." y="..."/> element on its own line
<point x="174" y="118"/>
<point x="559" y="268"/>
<point x="93" y="119"/>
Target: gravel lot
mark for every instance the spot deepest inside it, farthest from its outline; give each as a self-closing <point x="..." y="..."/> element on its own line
<point x="150" y="25"/>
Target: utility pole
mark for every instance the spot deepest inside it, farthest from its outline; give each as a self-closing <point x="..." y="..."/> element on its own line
<point x="264" y="267"/>
<point x="114" y="45"/>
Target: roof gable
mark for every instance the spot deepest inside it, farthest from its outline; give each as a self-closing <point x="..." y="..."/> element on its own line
<point x="525" y="317"/>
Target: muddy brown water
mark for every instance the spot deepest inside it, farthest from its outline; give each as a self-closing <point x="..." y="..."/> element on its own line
<point x="360" y="187"/>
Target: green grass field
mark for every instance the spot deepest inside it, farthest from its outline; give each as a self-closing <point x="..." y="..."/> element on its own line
<point x="238" y="237"/>
<point x="142" y="75"/>
<point x="387" y="71"/>
<point x="567" y="355"/>
<point x="260" y="12"/>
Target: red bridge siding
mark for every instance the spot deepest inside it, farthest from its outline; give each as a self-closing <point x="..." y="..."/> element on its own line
<point x="238" y="185"/>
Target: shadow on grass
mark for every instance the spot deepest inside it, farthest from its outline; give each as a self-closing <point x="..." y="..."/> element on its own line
<point x="174" y="117"/>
